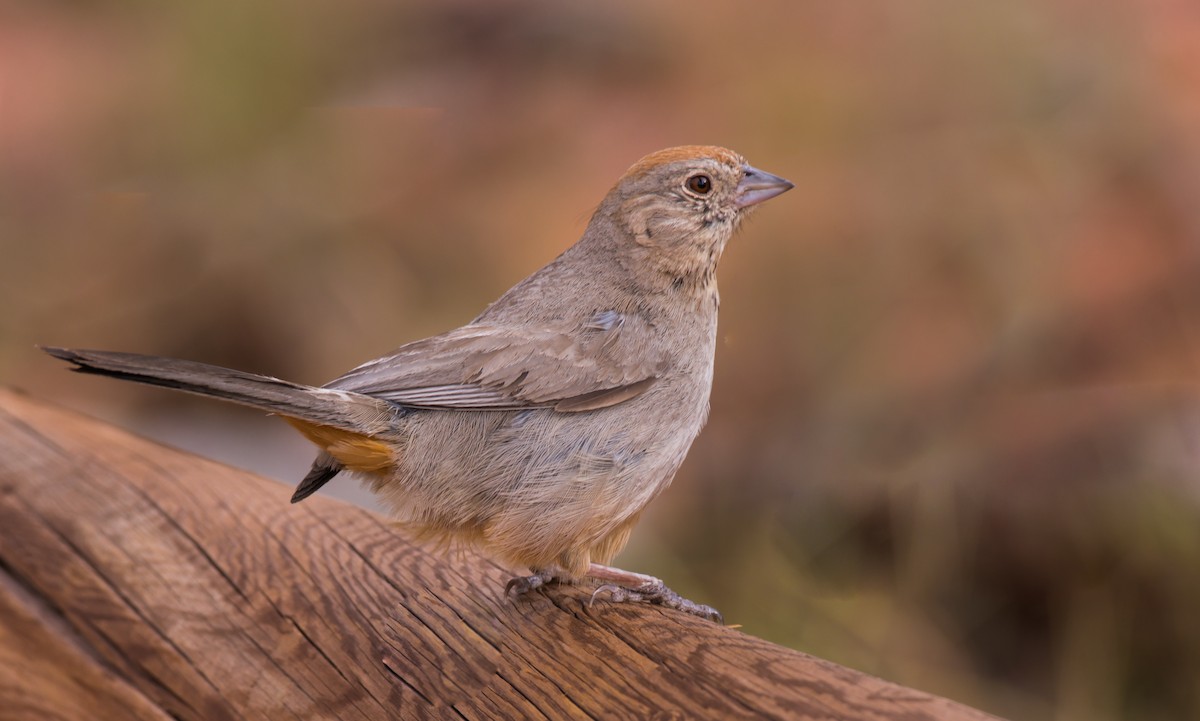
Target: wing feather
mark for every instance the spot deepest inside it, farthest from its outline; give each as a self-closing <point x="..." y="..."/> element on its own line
<point x="575" y="368"/>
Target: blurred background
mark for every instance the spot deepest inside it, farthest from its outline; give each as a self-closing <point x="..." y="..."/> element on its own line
<point x="955" y="428"/>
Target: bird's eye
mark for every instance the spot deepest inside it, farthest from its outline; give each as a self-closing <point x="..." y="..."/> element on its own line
<point x="699" y="184"/>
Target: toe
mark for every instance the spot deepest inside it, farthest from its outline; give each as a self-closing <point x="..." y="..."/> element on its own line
<point x="709" y="613"/>
<point x="521" y="585"/>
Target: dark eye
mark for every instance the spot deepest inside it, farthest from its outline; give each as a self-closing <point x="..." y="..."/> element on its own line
<point x="699" y="184"/>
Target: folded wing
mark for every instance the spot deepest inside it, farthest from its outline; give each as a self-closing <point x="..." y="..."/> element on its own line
<point x="494" y="367"/>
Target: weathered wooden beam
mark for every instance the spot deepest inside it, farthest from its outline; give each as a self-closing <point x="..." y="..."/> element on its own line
<point x="140" y="582"/>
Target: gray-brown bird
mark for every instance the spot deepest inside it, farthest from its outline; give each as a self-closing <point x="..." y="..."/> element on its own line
<point x="540" y="430"/>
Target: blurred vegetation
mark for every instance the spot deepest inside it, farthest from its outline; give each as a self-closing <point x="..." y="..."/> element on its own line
<point x="955" y="430"/>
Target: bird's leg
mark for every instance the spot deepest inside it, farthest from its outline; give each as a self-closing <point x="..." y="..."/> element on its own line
<point x="629" y="586"/>
<point x="522" y="585"/>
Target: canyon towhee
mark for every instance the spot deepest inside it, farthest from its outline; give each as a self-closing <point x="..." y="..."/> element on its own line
<point x="540" y="430"/>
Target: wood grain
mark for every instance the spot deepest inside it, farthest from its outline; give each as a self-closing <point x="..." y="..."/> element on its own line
<point x="140" y="582"/>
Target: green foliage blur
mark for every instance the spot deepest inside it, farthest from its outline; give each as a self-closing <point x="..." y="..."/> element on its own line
<point x="955" y="434"/>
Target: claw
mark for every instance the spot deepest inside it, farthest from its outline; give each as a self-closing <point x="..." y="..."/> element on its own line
<point x="518" y="586"/>
<point x="522" y="585"/>
<point x="616" y="594"/>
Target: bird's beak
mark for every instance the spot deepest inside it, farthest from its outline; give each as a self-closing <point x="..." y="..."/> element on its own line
<point x="757" y="186"/>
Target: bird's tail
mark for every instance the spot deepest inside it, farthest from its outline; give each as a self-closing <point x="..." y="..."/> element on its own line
<point x="322" y="407"/>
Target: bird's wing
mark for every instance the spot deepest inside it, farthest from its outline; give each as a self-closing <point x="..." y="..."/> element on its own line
<point x="496" y="367"/>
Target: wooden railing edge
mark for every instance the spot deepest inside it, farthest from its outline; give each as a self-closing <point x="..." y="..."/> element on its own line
<point x="137" y="577"/>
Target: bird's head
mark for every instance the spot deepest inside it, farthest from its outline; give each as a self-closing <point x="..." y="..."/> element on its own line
<point x="681" y="205"/>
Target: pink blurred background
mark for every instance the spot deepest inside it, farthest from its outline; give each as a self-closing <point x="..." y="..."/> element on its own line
<point x="955" y="427"/>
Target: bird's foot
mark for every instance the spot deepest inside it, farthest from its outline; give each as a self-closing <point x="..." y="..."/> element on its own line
<point x="521" y="585"/>
<point x="625" y="586"/>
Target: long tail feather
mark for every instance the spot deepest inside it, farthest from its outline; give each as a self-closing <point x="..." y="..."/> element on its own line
<point x="353" y="412"/>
